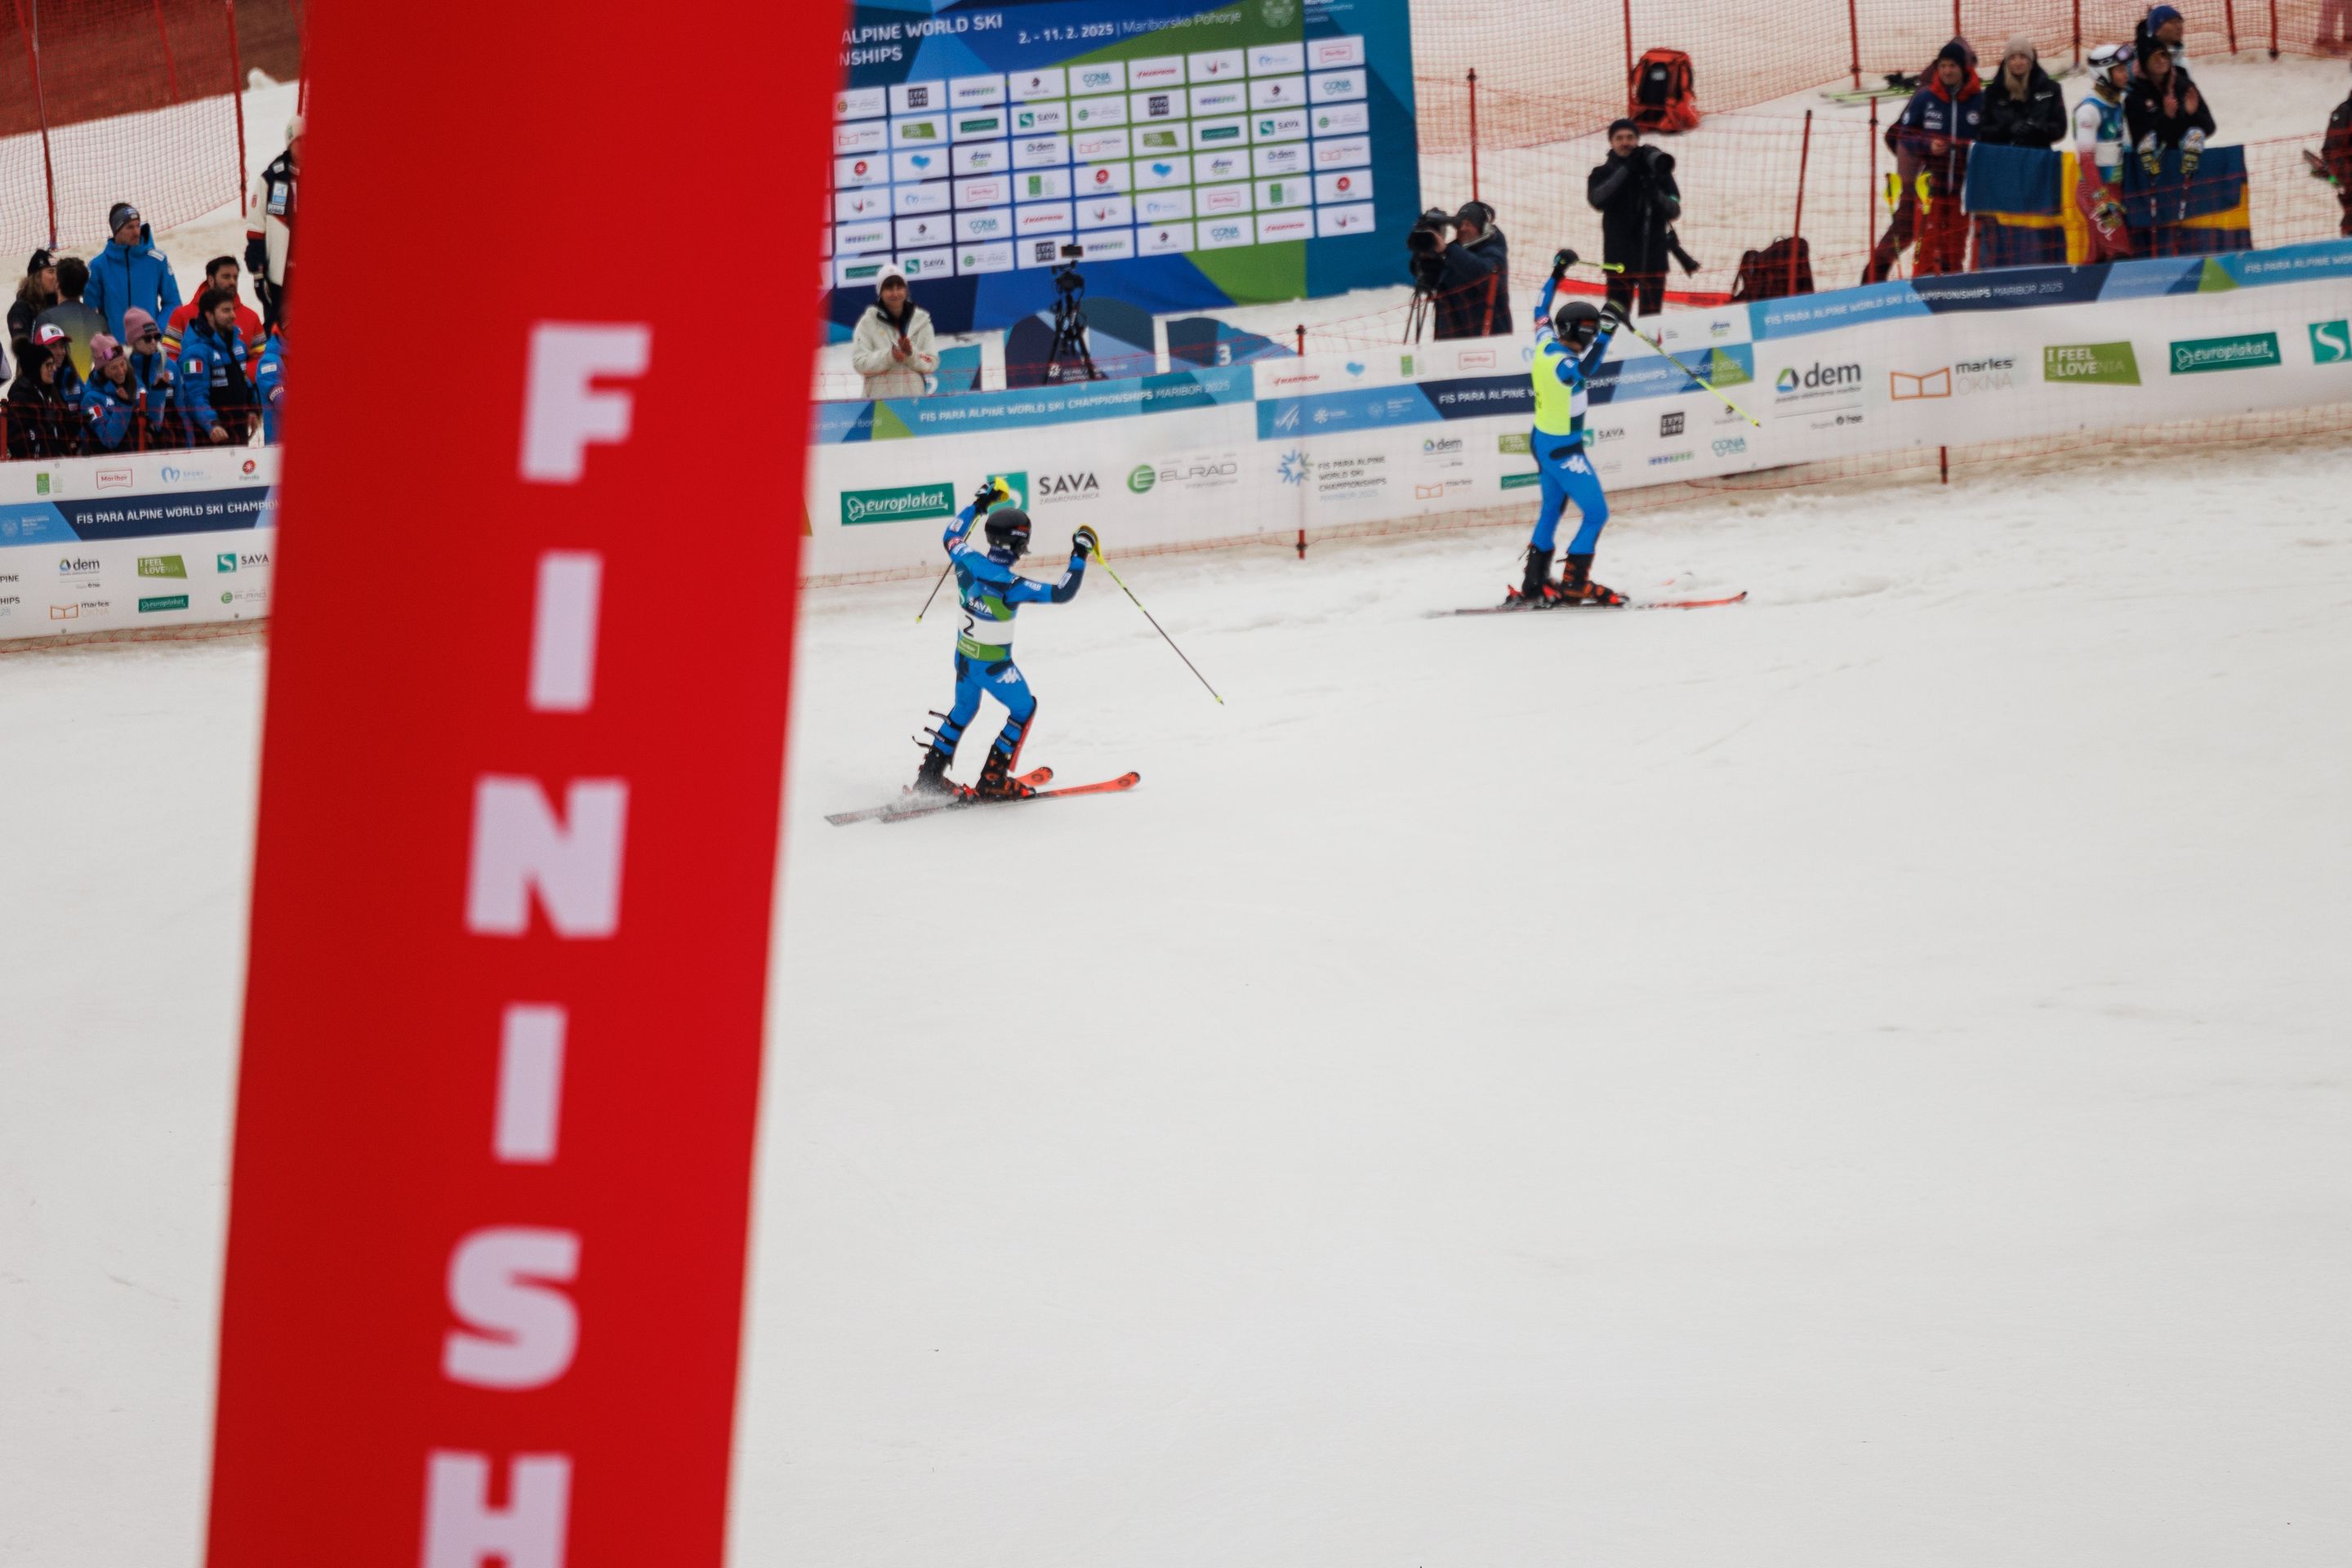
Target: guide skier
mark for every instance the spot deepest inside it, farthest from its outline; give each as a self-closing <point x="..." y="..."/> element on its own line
<point x="992" y="592"/>
<point x="1568" y="348"/>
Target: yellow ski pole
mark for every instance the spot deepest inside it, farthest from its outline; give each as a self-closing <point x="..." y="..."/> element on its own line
<point x="1155" y="625"/>
<point x="1695" y="375"/>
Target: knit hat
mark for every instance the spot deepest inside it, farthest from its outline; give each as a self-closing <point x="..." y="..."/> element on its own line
<point x="2160" y="16"/>
<point x="2019" y="44"/>
<point x="1958" y="53"/>
<point x="889" y="275"/>
<point x="102" y="349"/>
<point x="120" y="213"/>
<point x="136" y="324"/>
<point x="1617" y="125"/>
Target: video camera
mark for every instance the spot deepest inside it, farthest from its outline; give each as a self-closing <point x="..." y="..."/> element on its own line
<point x="1066" y="276"/>
<point x="1428" y="235"/>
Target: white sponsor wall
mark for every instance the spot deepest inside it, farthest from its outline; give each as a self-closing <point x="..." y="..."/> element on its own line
<point x="138" y="543"/>
<point x="1396" y="433"/>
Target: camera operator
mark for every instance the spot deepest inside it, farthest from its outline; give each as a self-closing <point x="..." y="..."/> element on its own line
<point x="1472" y="270"/>
<point x="1634" y="190"/>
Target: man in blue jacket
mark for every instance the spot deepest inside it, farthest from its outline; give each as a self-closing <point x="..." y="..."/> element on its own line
<point x="131" y="271"/>
<point x="214" y="395"/>
<point x="109" y="401"/>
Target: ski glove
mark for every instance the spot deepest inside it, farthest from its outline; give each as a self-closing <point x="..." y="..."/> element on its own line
<point x="988" y="494"/>
<point x="1613" y="315"/>
<point x="1085" y="543"/>
<point x="2151" y="157"/>
<point x="1561" y="263"/>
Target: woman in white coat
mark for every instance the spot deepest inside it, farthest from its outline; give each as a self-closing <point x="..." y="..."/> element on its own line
<point x="892" y="346"/>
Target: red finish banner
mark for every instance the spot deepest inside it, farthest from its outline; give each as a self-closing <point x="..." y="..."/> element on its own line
<point x="519" y="788"/>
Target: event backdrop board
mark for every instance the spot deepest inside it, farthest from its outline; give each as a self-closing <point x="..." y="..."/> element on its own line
<point x="1202" y="155"/>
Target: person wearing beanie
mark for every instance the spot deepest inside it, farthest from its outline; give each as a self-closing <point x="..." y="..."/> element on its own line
<point x="1473" y="279"/>
<point x="1930" y="142"/>
<point x="2163" y="28"/>
<point x="2162" y="109"/>
<point x="1634" y="190"/>
<point x="2023" y="107"/>
<point x="110" y="403"/>
<point x="149" y="371"/>
<point x="40" y="416"/>
<point x="36" y="293"/>
<point x="269" y="227"/>
<point x="891" y="347"/>
<point x="131" y="271"/>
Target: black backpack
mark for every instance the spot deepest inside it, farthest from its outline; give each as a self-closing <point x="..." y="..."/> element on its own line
<point x="1781" y="269"/>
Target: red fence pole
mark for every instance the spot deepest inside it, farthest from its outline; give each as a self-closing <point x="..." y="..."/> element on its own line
<point x="1957" y="31"/>
<point x="236" y="97"/>
<point x="2273" y="29"/>
<point x="2230" y="22"/>
<point x="41" y="111"/>
<point x="171" y="67"/>
<point x="1870" y="200"/>
<point x="2078" y="32"/>
<point x="1629" y="50"/>
<point x="1797" y="235"/>
<point x="1854" y="44"/>
<point x="1474" y="133"/>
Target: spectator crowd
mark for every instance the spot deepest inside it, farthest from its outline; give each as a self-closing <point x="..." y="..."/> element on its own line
<point x="105" y="356"/>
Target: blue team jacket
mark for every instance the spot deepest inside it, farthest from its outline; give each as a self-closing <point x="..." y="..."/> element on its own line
<point x="121" y="277"/>
<point x="108" y="411"/>
<point x="992" y="592"/>
<point x="204" y="365"/>
<point x="269" y="381"/>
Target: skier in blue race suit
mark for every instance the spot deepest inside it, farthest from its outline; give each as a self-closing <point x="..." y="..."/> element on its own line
<point x="1570" y="347"/>
<point x="991" y="593"/>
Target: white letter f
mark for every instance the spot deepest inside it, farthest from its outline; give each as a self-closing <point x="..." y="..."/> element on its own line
<point x="562" y="413"/>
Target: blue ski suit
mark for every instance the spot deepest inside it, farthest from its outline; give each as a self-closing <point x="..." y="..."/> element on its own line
<point x="1565" y="472"/>
<point x="122" y="276"/>
<point x="110" y="412"/>
<point x="991" y="593"/>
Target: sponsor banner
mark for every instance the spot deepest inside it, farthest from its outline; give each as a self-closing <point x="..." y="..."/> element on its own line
<point x="1308" y="429"/>
<point x="1149" y="395"/>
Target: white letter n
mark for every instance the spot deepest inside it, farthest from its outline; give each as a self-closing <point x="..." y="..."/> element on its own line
<point x="461" y="1529"/>
<point x="562" y="413"/>
<point x="574" y="861"/>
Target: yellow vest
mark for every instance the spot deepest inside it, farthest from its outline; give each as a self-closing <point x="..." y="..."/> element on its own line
<point x="1560" y="408"/>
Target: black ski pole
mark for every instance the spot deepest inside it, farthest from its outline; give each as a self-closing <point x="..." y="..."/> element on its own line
<point x="935" y="591"/>
<point x="1156" y="626"/>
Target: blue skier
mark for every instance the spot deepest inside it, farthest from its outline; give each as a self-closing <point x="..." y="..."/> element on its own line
<point x="1570" y="347"/>
<point x="992" y="592"/>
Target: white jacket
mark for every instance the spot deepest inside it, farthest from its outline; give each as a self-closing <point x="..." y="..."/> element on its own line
<point x="869" y="351"/>
<point x="270" y="213"/>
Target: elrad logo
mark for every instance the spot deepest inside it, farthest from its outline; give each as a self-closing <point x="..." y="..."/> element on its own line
<point x="1670" y="424"/>
<point x="1730" y="446"/>
<point x="2331" y="342"/>
<point x="1141" y="477"/>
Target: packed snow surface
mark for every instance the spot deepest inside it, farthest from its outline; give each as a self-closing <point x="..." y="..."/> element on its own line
<point x="1857" y="1077"/>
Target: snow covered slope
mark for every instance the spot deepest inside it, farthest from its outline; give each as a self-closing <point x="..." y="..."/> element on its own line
<point x="1857" y="1077"/>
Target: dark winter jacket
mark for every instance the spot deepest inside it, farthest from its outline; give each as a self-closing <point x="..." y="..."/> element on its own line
<point x="2336" y="151"/>
<point x="2162" y="108"/>
<point x="212" y="386"/>
<point x="2037" y="119"/>
<point x="41" y="423"/>
<point x="121" y="277"/>
<point x="1638" y="201"/>
<point x="1474" y="297"/>
<point x="1934" y="113"/>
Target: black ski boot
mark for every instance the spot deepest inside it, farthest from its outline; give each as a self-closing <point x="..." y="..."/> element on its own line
<point x="1535" y="590"/>
<point x="931" y="779"/>
<point x="996" y="780"/>
<point x="1577" y="586"/>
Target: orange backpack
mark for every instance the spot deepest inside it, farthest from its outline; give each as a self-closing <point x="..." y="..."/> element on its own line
<point x="1660" y="93"/>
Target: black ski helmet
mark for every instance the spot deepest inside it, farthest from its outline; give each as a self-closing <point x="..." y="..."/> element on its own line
<point x="1578" y="322"/>
<point x="1008" y="528"/>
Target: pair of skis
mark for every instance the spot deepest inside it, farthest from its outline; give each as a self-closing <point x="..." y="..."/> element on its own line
<point x="916" y="806"/>
<point x="1516" y="606"/>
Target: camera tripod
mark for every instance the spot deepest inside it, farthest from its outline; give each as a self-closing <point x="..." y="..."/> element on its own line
<point x="1070" y="329"/>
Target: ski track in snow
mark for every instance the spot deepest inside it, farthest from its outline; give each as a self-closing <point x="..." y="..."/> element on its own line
<point x="1851" y="1077"/>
